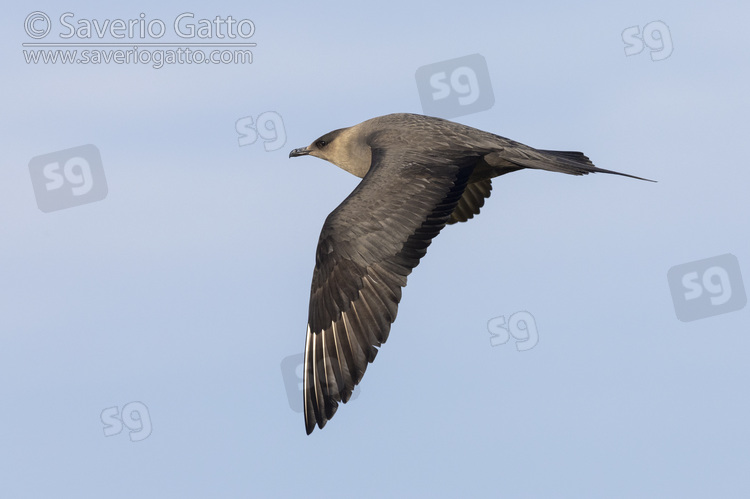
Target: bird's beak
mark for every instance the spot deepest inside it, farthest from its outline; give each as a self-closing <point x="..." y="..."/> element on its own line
<point x="301" y="151"/>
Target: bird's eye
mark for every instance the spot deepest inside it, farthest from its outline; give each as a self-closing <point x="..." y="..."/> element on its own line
<point x="321" y="144"/>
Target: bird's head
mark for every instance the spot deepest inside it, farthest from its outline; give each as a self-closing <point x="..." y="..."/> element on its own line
<point x="345" y="148"/>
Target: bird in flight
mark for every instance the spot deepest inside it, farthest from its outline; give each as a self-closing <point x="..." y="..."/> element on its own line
<point x="418" y="174"/>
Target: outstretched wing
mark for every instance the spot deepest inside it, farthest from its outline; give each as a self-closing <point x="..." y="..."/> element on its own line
<point x="367" y="248"/>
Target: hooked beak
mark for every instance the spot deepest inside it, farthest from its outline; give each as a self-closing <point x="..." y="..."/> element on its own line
<point x="301" y="151"/>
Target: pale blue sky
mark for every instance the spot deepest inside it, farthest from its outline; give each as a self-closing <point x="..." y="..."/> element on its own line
<point x="188" y="284"/>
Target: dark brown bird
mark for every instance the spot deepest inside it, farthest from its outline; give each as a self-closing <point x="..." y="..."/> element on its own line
<point x="418" y="173"/>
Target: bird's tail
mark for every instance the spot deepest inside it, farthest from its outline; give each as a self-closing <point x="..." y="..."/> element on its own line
<point x="570" y="162"/>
